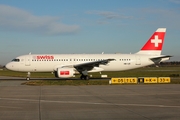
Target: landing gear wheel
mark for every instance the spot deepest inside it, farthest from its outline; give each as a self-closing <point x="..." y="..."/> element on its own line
<point x="28" y="78"/>
<point x="84" y="77"/>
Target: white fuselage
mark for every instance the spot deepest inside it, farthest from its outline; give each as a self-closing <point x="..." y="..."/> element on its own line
<point x="66" y="65"/>
<point x="50" y="62"/>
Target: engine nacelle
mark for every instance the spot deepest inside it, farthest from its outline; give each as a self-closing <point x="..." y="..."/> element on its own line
<point x="64" y="72"/>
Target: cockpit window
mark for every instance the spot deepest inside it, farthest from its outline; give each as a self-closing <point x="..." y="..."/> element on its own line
<point x="16" y="60"/>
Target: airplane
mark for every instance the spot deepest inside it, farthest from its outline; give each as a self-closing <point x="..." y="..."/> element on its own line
<point x="67" y="65"/>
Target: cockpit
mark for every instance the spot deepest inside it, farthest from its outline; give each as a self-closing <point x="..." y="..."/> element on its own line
<point x="16" y="60"/>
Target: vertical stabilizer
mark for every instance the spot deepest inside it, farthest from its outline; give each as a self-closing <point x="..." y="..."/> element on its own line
<point x="155" y="43"/>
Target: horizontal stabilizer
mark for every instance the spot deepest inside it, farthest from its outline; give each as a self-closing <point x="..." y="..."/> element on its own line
<point x="160" y="58"/>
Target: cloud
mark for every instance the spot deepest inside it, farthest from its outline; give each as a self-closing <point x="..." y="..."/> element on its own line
<point x="109" y="15"/>
<point x="16" y="19"/>
<point x="164" y="17"/>
<point x="175" y="1"/>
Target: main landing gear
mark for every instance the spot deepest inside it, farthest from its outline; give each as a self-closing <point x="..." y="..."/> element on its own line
<point x="84" y="75"/>
<point x="28" y="76"/>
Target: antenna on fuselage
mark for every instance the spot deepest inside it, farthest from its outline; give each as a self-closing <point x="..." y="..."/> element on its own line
<point x="30" y="53"/>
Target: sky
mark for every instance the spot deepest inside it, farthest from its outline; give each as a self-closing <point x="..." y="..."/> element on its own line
<point x="86" y="26"/>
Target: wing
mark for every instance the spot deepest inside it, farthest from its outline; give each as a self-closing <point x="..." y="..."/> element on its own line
<point x="90" y="65"/>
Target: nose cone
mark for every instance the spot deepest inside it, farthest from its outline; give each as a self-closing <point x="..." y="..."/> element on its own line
<point x="9" y="66"/>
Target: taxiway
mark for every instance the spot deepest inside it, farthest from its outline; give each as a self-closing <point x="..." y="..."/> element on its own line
<point x="107" y="102"/>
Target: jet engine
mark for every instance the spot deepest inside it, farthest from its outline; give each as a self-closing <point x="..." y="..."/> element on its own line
<point x="64" y="72"/>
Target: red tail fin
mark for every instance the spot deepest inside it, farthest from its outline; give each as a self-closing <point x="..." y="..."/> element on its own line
<point x="155" y="43"/>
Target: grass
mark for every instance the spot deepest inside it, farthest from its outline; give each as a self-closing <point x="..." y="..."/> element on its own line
<point x="173" y="72"/>
<point x="141" y="72"/>
<point x="67" y="82"/>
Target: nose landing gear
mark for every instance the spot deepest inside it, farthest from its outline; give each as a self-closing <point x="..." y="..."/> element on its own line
<point x="28" y="76"/>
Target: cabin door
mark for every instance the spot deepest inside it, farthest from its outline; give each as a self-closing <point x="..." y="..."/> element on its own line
<point x="138" y="60"/>
<point x="27" y="61"/>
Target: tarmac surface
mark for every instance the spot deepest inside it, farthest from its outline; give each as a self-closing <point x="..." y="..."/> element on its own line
<point x="107" y="102"/>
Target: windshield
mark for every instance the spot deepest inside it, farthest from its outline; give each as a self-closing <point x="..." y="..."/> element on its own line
<point x="16" y="60"/>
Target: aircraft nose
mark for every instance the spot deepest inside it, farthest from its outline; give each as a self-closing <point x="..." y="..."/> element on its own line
<point x="9" y="66"/>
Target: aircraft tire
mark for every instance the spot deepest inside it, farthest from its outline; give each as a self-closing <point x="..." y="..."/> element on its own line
<point x="86" y="77"/>
<point x="82" y="77"/>
<point x="28" y="78"/>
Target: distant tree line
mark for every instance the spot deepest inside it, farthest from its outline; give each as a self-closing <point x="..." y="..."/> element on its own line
<point x="1" y="66"/>
<point x="168" y="64"/>
<point x="172" y="63"/>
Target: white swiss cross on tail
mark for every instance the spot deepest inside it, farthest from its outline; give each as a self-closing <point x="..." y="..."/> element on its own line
<point x="155" y="43"/>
